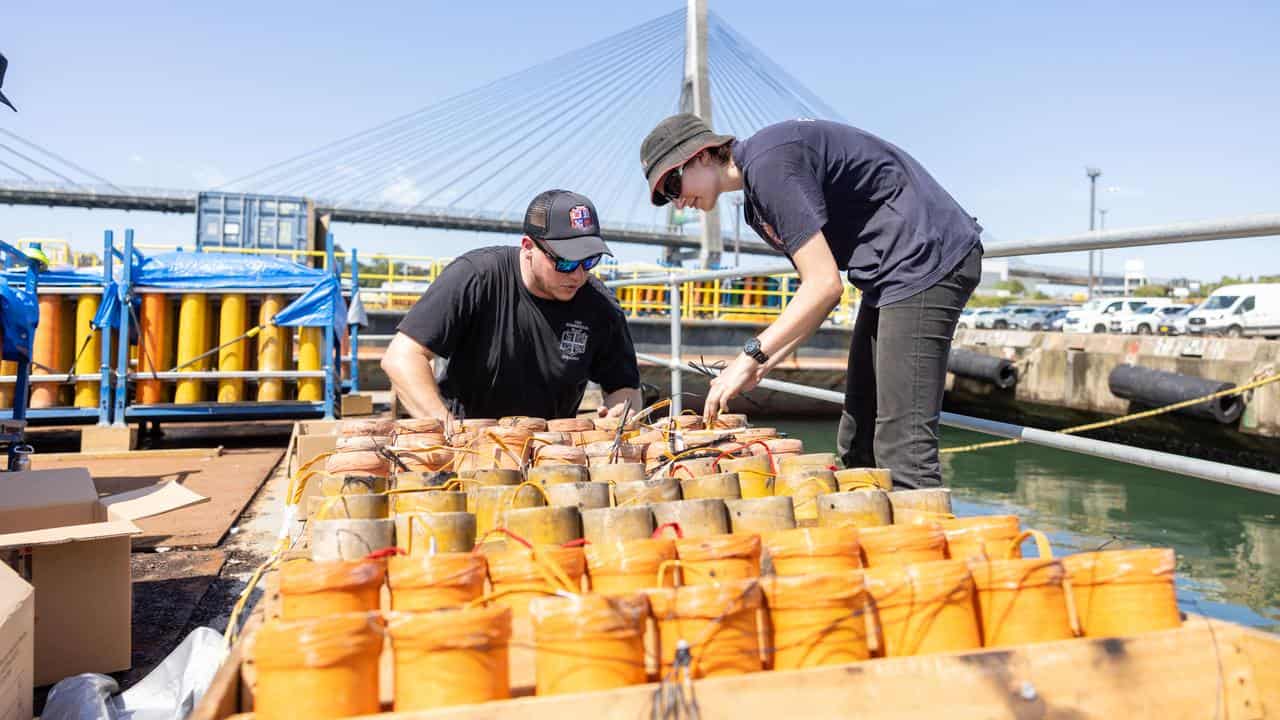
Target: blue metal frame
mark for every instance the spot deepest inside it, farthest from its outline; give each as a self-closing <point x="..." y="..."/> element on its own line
<point x="331" y="364"/>
<point x="354" y="331"/>
<point x="18" y="415"/>
<point x="22" y="386"/>
<point x="242" y="411"/>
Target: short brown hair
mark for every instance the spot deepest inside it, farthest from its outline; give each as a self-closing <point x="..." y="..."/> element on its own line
<point x="721" y="153"/>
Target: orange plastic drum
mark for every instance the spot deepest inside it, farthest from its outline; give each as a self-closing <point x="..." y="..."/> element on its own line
<point x="924" y="608"/>
<point x="317" y="668"/>
<point x="1021" y="601"/>
<point x="432" y="582"/>
<point x="719" y="558"/>
<point x="981" y="537"/>
<point x="588" y="642"/>
<point x="1122" y="592"/>
<point x="627" y="566"/>
<point x="450" y="657"/>
<point x="718" y="621"/>
<point x="813" y="550"/>
<point x="902" y="544"/>
<point x="520" y="574"/>
<point x="817" y="619"/>
<point x="315" y="589"/>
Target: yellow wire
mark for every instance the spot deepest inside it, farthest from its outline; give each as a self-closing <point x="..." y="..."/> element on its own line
<point x="1124" y="418"/>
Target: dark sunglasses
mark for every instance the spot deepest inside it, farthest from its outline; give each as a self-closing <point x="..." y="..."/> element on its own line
<point x="672" y="184"/>
<point x="568" y="266"/>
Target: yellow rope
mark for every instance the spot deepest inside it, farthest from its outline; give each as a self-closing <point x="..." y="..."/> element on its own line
<point x="1125" y="418"/>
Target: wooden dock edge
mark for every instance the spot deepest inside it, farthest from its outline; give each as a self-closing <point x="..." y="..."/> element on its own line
<point x="1207" y="668"/>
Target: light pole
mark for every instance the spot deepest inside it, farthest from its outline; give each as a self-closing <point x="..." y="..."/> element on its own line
<point x="1093" y="174"/>
<point x="1102" y="267"/>
<point x="737" y="231"/>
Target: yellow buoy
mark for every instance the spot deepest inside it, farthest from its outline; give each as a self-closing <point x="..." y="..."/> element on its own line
<point x="271" y="349"/>
<point x="231" y="325"/>
<point x="310" y="340"/>
<point x="193" y="328"/>
<point x="152" y="337"/>
<point x="89" y="347"/>
<point x="46" y="351"/>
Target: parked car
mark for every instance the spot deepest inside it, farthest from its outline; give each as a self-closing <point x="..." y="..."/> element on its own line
<point x="1145" y="320"/>
<point x="1055" y="318"/>
<point x="987" y="317"/>
<point x="1027" y="318"/>
<point x="1175" y="320"/>
<point x="966" y="317"/>
<point x="1238" y="311"/>
<point x="1095" y="315"/>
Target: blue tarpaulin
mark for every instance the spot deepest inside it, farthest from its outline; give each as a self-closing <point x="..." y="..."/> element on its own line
<point x="218" y="270"/>
<point x="321" y="305"/>
<point x="19" y="313"/>
<point x="58" y="276"/>
<point x="108" y="309"/>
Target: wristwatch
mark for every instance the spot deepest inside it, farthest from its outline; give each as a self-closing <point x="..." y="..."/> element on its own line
<point x="752" y="349"/>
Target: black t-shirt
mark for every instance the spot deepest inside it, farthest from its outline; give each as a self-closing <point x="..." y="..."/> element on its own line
<point x="888" y="222"/>
<point x="511" y="353"/>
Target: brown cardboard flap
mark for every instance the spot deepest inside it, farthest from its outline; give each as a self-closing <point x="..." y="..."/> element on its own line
<point x="70" y="533"/>
<point x="37" y="499"/>
<point x="151" y="500"/>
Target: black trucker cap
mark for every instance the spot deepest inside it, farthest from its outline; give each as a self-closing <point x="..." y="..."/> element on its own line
<point x="672" y="144"/>
<point x="566" y="223"/>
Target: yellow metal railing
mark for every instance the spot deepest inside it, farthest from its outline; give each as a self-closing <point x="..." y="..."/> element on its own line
<point x="750" y="299"/>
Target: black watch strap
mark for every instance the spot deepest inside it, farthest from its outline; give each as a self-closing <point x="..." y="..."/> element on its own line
<point x="752" y="350"/>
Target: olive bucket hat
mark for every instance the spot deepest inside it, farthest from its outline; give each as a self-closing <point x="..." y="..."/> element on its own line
<point x="671" y="144"/>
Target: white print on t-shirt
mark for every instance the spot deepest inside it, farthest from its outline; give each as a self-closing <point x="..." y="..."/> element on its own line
<point x="573" y="341"/>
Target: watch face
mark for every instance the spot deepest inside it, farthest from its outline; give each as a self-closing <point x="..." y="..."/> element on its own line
<point x="751" y="347"/>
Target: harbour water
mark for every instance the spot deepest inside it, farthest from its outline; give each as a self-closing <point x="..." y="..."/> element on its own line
<point x="1227" y="539"/>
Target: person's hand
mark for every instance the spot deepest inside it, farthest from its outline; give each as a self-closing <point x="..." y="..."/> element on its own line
<point x="615" y="411"/>
<point x="741" y="375"/>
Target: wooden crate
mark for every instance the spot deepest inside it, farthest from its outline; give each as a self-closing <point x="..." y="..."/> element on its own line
<point x="1205" y="669"/>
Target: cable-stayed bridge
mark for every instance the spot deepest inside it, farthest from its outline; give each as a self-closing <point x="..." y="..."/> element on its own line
<point x="472" y="161"/>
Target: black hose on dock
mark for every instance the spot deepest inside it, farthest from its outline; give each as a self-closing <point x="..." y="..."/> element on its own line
<point x="970" y="364"/>
<point x="1157" y="388"/>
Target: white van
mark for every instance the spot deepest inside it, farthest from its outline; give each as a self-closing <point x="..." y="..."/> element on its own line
<point x="1095" y="315"/>
<point x="1238" y="311"/>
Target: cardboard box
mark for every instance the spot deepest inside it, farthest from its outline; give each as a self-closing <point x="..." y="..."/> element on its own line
<point x="73" y="547"/>
<point x="310" y="439"/>
<point x="17" y="645"/>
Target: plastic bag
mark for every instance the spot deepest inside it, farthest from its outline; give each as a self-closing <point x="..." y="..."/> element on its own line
<point x="169" y="692"/>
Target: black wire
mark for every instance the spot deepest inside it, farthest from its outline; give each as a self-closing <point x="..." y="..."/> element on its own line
<point x="711" y="370"/>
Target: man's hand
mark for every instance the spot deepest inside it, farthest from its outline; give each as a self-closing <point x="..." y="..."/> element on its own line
<point x="743" y="374"/>
<point x="615" y="401"/>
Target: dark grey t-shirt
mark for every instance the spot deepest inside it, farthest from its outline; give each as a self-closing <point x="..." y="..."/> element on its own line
<point x="512" y="353"/>
<point x="887" y="221"/>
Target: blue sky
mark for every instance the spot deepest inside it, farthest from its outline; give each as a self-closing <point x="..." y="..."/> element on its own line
<point x="1005" y="103"/>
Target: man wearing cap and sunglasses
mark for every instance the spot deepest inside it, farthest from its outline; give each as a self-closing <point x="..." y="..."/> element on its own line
<point x="835" y="199"/>
<point x="523" y="328"/>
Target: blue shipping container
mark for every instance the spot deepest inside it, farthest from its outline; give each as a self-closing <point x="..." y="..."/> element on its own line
<point x="241" y="220"/>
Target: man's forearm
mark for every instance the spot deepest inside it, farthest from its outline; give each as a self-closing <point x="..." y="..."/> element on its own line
<point x="421" y="396"/>
<point x="409" y="366"/>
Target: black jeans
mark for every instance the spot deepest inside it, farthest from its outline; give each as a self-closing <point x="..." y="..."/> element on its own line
<point x="896" y="376"/>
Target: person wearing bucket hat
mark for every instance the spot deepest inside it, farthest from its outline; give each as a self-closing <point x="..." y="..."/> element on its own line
<point x="523" y="328"/>
<point x="835" y="199"/>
